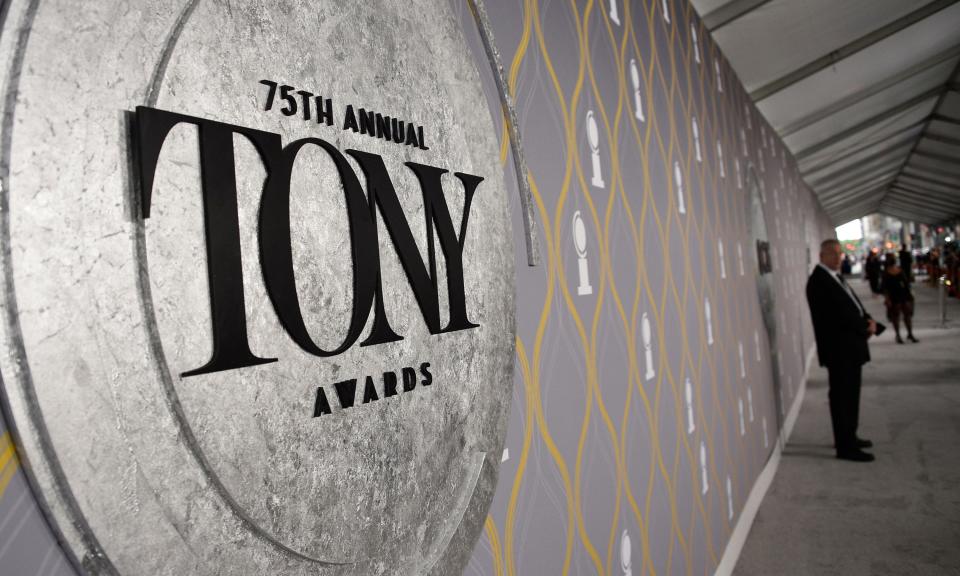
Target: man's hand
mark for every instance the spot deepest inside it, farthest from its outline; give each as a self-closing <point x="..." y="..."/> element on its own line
<point x="871" y="327"/>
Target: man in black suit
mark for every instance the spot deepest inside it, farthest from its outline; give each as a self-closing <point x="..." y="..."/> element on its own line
<point x="842" y="327"/>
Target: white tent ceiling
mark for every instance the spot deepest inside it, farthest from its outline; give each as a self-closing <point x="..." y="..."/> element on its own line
<point x="865" y="93"/>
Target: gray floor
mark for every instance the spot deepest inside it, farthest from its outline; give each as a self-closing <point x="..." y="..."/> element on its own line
<point x="899" y="515"/>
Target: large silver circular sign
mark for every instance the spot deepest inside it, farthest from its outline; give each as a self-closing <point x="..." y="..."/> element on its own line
<point x="258" y="283"/>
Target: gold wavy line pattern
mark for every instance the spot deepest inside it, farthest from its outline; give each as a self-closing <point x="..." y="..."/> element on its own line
<point x="8" y="462"/>
<point x="27" y="546"/>
<point x="631" y="123"/>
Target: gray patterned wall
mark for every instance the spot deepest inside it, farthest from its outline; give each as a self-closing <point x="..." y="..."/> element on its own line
<point x="601" y="471"/>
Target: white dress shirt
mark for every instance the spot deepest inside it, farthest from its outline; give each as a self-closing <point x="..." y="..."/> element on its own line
<point x="846" y="287"/>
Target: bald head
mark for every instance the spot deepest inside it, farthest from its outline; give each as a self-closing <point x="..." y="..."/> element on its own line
<point x="831" y="254"/>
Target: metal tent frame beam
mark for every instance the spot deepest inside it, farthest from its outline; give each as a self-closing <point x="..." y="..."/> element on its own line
<point x="867" y="187"/>
<point x="918" y="208"/>
<point x="869" y="91"/>
<point x="898" y="213"/>
<point x="729" y="12"/>
<point x="930" y="189"/>
<point x="849" y="49"/>
<point x="922" y="196"/>
<point x="928" y="180"/>
<point x="934" y="156"/>
<point x="854" y="210"/>
<point x="930" y="170"/>
<point x="857" y="181"/>
<point x="865" y="165"/>
<point x="945" y="119"/>
<point x="870" y="122"/>
<point x="913" y="213"/>
<point x="835" y="159"/>
<point x="942" y="139"/>
<point x="921" y="199"/>
<point x="868" y="198"/>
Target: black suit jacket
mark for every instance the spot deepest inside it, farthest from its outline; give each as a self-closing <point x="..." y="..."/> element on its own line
<point x="840" y="330"/>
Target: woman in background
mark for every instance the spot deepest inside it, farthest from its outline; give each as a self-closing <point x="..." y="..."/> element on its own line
<point x="872" y="270"/>
<point x="897" y="297"/>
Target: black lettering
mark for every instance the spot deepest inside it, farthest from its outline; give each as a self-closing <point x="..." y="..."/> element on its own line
<point x="382" y="194"/>
<point x="291" y="108"/>
<point x="368" y="122"/>
<point x="346" y="392"/>
<point x="370" y="391"/>
<point x="389" y="384"/>
<point x="451" y="242"/>
<point x="427" y="376"/>
<point x="231" y="348"/>
<point x="423" y="143"/>
<point x="270" y="93"/>
<point x="324" y="113"/>
<point x="409" y="379"/>
<point x="411" y="136"/>
<point x="221" y="217"/>
<point x="276" y="258"/>
<point x="321" y="406"/>
<point x="397" y="127"/>
<point x="383" y="127"/>
<point x="349" y="119"/>
<point x="305" y="97"/>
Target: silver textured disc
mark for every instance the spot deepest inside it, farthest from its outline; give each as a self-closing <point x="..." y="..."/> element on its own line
<point x="145" y="471"/>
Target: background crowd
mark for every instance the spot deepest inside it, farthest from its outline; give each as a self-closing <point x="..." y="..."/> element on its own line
<point x="891" y="276"/>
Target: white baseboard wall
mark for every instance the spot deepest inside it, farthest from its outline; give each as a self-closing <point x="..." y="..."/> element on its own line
<point x="742" y="529"/>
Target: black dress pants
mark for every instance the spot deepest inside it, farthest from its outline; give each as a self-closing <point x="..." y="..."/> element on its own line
<point x="845" y="404"/>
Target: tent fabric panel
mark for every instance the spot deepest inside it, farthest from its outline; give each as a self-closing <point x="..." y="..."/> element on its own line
<point x="945" y="178"/>
<point x="938" y="148"/>
<point x="944" y="128"/>
<point x="705" y="7"/>
<point x="950" y="105"/>
<point x="882" y="153"/>
<point x="864" y="93"/>
<point x="872" y="131"/>
<point x="817" y="164"/>
<point x="807" y="113"/>
<point x="782" y="35"/>
<point x="908" y="48"/>
<point x="923" y="198"/>
<point x="867" y="108"/>
<point x="874" y="180"/>
<point x="941" y="170"/>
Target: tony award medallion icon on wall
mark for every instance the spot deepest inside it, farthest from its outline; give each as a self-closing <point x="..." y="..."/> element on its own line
<point x="259" y="294"/>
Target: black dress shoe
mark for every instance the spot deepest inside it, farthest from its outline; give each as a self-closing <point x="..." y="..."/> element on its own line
<point x="855" y="456"/>
<point x="912" y="339"/>
<point x="861" y="443"/>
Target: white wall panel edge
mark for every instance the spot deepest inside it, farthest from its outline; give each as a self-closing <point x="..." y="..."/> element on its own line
<point x="738" y="538"/>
